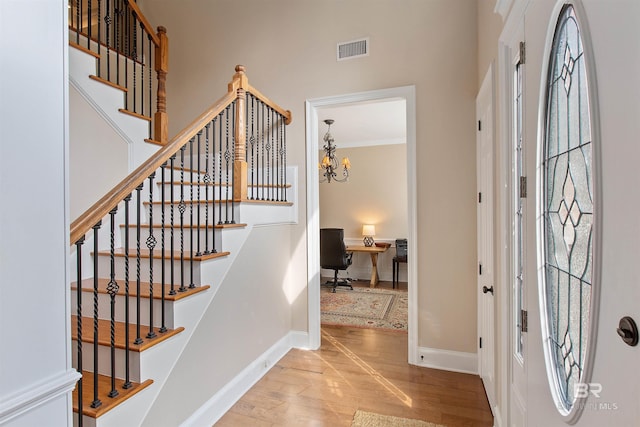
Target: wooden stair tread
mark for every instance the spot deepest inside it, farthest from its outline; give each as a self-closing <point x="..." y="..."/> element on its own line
<point x="196" y="202"/>
<point x="217" y="226"/>
<point x="104" y="333"/>
<point x="131" y="113"/>
<point x="83" y="49"/>
<point x="104" y="387"/>
<point x="108" y="83"/>
<point x="157" y="254"/>
<point x="87" y="286"/>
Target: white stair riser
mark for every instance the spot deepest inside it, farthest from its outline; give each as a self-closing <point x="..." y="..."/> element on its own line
<point x="104" y="359"/>
<point x="104" y="303"/>
<point x="104" y="269"/>
<point x="206" y="211"/>
<point x="212" y="237"/>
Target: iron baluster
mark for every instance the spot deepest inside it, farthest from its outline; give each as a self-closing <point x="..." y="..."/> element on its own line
<point x="142" y="65"/>
<point x="232" y="156"/>
<point x="79" y="244"/>
<point x="284" y="149"/>
<point x="268" y="148"/>
<point x="96" y="401"/>
<point x="227" y="156"/>
<point x="198" y="252"/>
<point x="182" y="207"/>
<point x="207" y="181"/>
<point x="171" y="228"/>
<point x="252" y="142"/>
<point x="118" y="47"/>
<point x="78" y="25"/>
<point x="107" y="22"/>
<point x="219" y="160"/>
<point x="149" y="62"/>
<point x="163" y="327"/>
<point x="277" y="155"/>
<point x="127" y="379"/>
<point x="89" y="24"/>
<point x="112" y="290"/>
<point x="262" y="156"/>
<point x="127" y="34"/>
<point x="99" y="39"/>
<point x="134" y="58"/>
<point x="138" y="340"/>
<point x="151" y="244"/>
<point x="191" y="285"/>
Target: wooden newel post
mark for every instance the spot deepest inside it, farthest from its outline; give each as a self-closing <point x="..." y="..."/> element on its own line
<point x="161" y="119"/>
<point x="240" y="174"/>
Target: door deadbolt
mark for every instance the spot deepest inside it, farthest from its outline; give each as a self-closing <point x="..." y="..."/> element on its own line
<point x="628" y="331"/>
<point x="485" y="289"/>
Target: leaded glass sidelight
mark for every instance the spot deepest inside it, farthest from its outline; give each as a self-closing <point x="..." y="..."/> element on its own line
<point x="568" y="212"/>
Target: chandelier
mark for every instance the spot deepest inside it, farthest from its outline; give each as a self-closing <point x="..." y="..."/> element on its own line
<point x="329" y="165"/>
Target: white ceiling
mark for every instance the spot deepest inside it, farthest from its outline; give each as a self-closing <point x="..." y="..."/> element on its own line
<point x="365" y="123"/>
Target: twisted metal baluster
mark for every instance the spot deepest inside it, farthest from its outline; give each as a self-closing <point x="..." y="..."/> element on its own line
<point x="233" y="169"/>
<point x="252" y="142"/>
<point x="127" y="34"/>
<point x="107" y="22"/>
<point x="268" y="148"/>
<point x="227" y="157"/>
<point x="138" y="340"/>
<point x="151" y="244"/>
<point x="198" y="252"/>
<point x="127" y="382"/>
<point x="142" y="65"/>
<point x="182" y="207"/>
<point x="118" y="48"/>
<point x="79" y="244"/>
<point x="99" y="40"/>
<point x="134" y="57"/>
<point x="220" y="170"/>
<point x="172" y="203"/>
<point x="163" y="328"/>
<point x="207" y="181"/>
<point x="96" y="401"/>
<point x="191" y="285"/>
<point x="112" y="290"/>
<point x="262" y="157"/>
<point x="150" y="80"/>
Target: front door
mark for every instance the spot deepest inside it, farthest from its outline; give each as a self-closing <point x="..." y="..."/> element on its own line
<point x="611" y="34"/>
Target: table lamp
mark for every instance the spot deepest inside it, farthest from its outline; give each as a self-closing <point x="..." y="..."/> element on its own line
<point x="368" y="231"/>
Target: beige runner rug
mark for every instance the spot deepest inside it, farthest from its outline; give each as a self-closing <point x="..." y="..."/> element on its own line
<point x="369" y="419"/>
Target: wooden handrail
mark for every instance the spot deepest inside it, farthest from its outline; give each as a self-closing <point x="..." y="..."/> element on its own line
<point x="147" y="26"/>
<point x="102" y="207"/>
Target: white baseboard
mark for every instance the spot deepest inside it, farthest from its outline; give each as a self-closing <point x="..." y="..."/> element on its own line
<point x="223" y="400"/>
<point x="300" y="340"/>
<point x="448" y="360"/>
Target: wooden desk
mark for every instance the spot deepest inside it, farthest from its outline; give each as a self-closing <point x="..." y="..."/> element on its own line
<point x="373" y="251"/>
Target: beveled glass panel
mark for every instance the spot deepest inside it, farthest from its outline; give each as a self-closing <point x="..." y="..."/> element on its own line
<point x="569" y="209"/>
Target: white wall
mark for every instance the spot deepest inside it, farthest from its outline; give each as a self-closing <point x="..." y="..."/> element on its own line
<point x="35" y="363"/>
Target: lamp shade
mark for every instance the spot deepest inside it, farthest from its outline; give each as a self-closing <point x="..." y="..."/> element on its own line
<point x="368" y="230"/>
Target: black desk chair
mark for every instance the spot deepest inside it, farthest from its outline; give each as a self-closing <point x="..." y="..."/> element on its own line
<point x="333" y="254"/>
<point x="401" y="256"/>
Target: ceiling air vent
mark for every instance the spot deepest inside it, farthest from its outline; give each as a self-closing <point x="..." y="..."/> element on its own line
<point x="353" y="49"/>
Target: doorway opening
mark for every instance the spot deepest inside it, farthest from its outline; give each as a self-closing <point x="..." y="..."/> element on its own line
<point x="314" y="108"/>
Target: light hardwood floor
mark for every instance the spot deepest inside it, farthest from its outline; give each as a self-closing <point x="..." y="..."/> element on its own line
<point x="358" y="369"/>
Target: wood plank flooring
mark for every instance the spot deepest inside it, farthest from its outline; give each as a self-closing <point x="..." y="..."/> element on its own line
<point x="354" y="369"/>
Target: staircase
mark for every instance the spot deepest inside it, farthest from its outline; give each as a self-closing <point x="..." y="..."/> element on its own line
<point x="149" y="257"/>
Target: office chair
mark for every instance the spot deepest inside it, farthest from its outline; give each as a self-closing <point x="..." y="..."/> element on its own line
<point x="333" y="254"/>
<point x="401" y="256"/>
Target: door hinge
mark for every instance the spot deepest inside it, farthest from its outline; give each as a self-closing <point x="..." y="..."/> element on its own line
<point x="524" y="321"/>
<point x="522" y="53"/>
<point x="479" y="125"/>
<point x="479" y="197"/>
<point x="480" y="342"/>
<point x="480" y="269"/>
<point x="523" y="187"/>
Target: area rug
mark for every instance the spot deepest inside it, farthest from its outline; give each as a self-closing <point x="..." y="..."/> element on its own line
<point x="369" y="419"/>
<point x="364" y="308"/>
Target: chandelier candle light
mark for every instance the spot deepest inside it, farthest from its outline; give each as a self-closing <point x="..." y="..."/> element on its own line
<point x="329" y="164"/>
<point x="368" y="231"/>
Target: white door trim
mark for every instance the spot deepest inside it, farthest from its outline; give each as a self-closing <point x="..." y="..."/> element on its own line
<point x="313" y="224"/>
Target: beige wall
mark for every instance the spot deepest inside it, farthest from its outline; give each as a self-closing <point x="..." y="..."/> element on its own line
<point x="92" y="142"/>
<point x="288" y="48"/>
<point x="376" y="193"/>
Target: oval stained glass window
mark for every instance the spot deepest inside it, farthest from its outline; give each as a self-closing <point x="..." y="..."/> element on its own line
<point x="567" y="217"/>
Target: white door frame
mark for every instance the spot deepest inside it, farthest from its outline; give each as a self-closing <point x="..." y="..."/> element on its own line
<point x="313" y="194"/>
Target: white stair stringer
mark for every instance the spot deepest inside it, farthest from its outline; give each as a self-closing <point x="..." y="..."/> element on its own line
<point x="106" y="100"/>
